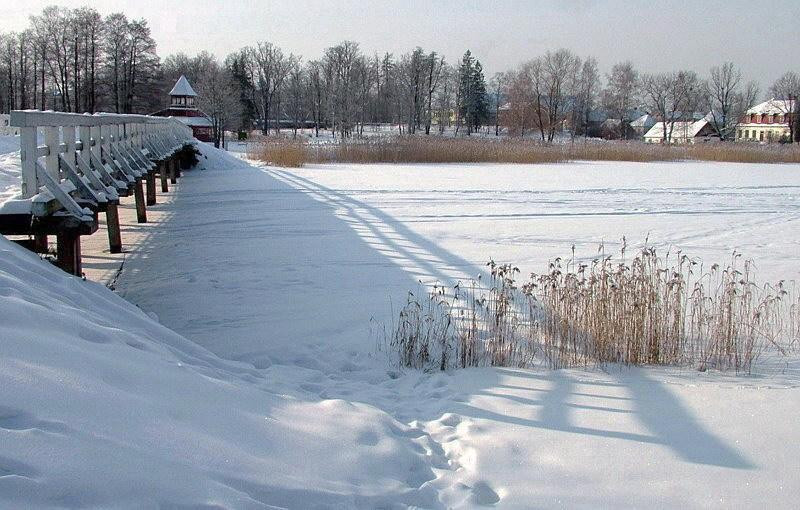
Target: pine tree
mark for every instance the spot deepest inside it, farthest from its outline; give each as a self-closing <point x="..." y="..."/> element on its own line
<point x="480" y="100"/>
<point x="466" y="106"/>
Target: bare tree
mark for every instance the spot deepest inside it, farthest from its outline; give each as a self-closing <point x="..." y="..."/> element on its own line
<point x="498" y="87"/>
<point x="271" y="67"/>
<point x="520" y="96"/>
<point x="445" y="97"/>
<point x="787" y="90"/>
<point x="587" y="91"/>
<point x="296" y="96"/>
<point x="669" y="96"/>
<point x="215" y="99"/>
<point x="727" y="98"/>
<point x="341" y="65"/>
<point x="620" y="94"/>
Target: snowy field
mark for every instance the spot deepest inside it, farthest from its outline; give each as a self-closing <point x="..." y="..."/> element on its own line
<point x="269" y="389"/>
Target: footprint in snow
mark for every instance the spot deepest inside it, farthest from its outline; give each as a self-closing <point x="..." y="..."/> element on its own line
<point x="483" y="494"/>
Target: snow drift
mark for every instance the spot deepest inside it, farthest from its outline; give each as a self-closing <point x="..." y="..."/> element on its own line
<point x="101" y="406"/>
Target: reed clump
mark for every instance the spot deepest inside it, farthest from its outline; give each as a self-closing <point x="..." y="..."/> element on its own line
<point x="283" y="152"/>
<point x="651" y="310"/>
<point x="295" y="152"/>
<point x="431" y="149"/>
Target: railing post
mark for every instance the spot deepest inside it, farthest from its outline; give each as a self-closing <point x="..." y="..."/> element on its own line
<point x="51" y="160"/>
<point x="162" y="173"/>
<point x="28" y="148"/>
<point x="68" y="255"/>
<point x="173" y="178"/>
<point x="151" y="176"/>
<point x="68" y="134"/>
<point x="112" y="208"/>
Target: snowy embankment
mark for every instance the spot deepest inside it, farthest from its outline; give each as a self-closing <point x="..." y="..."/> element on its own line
<point x="270" y="390"/>
<point x="101" y="406"/>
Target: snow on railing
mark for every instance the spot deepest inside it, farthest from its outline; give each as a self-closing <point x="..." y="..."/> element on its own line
<point x="93" y="155"/>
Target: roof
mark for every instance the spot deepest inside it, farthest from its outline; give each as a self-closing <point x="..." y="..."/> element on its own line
<point x="679" y="130"/>
<point x="645" y="120"/>
<point x="182" y="88"/>
<point x="773" y="106"/>
<point x="195" y="121"/>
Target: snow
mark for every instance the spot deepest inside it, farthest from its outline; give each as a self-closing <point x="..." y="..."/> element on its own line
<point x="195" y="121"/>
<point x="182" y="88"/>
<point x="680" y="130"/>
<point x="772" y="106"/>
<point x="10" y="169"/>
<point x="270" y="387"/>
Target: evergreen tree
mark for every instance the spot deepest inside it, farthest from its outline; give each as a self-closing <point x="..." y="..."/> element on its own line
<point x="480" y="101"/>
<point x="473" y="104"/>
<point x="237" y="67"/>
<point x="466" y="106"/>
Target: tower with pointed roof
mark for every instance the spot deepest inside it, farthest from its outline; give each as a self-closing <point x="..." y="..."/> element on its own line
<point x="183" y="106"/>
<point x="182" y="95"/>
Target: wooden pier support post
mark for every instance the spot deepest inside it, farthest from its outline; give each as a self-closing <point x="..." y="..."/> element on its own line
<point x="173" y="178"/>
<point x="151" y="188"/>
<point x="68" y="255"/>
<point x="162" y="172"/>
<point x="112" y="223"/>
<point x="141" y="211"/>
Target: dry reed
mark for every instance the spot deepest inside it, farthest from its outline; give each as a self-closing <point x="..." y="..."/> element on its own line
<point x="649" y="311"/>
<point x="281" y="152"/>
<point x="433" y="149"/>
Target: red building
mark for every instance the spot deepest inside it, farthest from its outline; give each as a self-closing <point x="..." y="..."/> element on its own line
<point x="183" y="106"/>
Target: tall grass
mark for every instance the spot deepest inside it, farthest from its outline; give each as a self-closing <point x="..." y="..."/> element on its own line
<point x="281" y="152"/>
<point x="651" y="310"/>
<point x="432" y="149"/>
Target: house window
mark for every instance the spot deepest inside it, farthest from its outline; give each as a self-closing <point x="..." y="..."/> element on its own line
<point x="747" y="133"/>
<point x="739" y="134"/>
<point x="761" y="135"/>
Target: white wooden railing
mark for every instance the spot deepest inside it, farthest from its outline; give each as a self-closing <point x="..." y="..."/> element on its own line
<point x="93" y="156"/>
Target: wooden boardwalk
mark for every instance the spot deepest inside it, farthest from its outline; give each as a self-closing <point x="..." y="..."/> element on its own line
<point x="102" y="266"/>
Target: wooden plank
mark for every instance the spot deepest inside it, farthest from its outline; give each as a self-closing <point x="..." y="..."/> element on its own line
<point x="59" y="194"/>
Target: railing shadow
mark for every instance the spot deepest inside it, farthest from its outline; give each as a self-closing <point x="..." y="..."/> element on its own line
<point x="669" y="422"/>
<point x="273" y="269"/>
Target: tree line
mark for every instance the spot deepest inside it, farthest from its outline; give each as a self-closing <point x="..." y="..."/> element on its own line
<point x="77" y="60"/>
<point x="342" y="91"/>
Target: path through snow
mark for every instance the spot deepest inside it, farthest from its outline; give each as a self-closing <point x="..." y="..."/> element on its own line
<point x="293" y="270"/>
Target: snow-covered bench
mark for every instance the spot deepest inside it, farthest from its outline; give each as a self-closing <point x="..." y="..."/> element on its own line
<point x="86" y="163"/>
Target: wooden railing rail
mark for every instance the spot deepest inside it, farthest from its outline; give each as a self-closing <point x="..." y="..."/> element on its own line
<point x="75" y="165"/>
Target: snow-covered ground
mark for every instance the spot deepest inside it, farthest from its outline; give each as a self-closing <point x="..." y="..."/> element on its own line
<point x="10" y="169"/>
<point x="270" y="388"/>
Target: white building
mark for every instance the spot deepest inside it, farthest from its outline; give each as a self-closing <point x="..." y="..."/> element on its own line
<point x="681" y="132"/>
<point x="766" y="122"/>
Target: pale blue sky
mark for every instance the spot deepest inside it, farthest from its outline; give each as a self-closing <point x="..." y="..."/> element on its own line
<point x="657" y="36"/>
